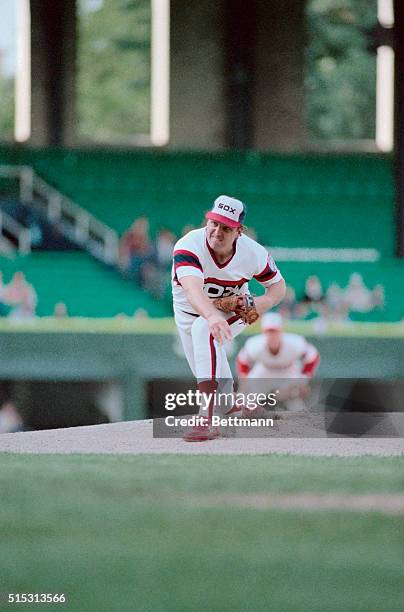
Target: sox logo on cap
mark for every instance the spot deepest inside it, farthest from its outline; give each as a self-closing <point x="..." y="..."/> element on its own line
<point x="227" y="210"/>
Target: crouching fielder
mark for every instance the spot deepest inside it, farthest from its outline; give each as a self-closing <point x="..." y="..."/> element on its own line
<point x="277" y="360"/>
<point x="211" y="270"/>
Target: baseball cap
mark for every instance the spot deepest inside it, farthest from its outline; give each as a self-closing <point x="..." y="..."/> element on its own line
<point x="271" y="321"/>
<point x="227" y="210"/>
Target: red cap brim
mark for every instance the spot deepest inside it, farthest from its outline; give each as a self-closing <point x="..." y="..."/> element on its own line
<point x="221" y="219"/>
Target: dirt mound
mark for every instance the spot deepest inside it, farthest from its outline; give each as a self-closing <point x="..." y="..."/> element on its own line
<point x="136" y="437"/>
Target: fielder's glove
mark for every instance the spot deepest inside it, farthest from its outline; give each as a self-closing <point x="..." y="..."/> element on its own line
<point x="241" y="305"/>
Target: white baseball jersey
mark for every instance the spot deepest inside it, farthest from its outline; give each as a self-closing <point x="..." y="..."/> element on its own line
<point x="296" y="357"/>
<point x="194" y="257"/>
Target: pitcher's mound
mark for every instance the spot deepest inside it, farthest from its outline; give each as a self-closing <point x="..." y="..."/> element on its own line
<point x="136" y="437"/>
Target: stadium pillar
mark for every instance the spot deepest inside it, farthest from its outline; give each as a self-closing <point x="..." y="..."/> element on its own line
<point x="197" y="113"/>
<point x="240" y="29"/>
<point x="399" y="124"/>
<point x="278" y="121"/>
<point x="237" y="73"/>
<point x="53" y="67"/>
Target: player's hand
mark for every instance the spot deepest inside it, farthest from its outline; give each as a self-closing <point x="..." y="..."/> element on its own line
<point x="242" y="305"/>
<point x="219" y="328"/>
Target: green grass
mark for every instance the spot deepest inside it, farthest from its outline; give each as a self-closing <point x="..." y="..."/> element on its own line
<point x="128" y="533"/>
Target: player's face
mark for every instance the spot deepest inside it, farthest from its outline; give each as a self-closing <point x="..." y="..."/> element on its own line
<point x="274" y="337"/>
<point x="221" y="237"/>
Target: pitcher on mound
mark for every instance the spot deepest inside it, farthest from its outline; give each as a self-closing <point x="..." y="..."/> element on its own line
<point x="211" y="299"/>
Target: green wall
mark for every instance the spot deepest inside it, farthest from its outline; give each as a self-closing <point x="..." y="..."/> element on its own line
<point x="133" y="358"/>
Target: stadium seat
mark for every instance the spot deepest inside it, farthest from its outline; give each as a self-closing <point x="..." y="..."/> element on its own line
<point x="311" y="201"/>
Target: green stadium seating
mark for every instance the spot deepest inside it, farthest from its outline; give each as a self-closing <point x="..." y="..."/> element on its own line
<point x="389" y="273"/>
<point x="88" y="288"/>
<point x="294" y="200"/>
<point x="311" y="201"/>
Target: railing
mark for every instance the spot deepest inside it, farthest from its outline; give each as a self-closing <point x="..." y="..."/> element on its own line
<point x="21" y="234"/>
<point x="73" y="221"/>
<point x="9" y="227"/>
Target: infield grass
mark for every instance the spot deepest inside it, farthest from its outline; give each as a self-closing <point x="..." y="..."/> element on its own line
<point x="130" y="533"/>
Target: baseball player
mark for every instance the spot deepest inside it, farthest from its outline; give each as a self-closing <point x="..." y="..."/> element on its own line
<point x="212" y="305"/>
<point x="277" y="359"/>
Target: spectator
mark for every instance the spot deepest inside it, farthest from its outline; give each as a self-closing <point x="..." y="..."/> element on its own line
<point x="313" y="291"/>
<point x="287" y="308"/>
<point x="313" y="301"/>
<point x="165" y="241"/>
<point x="21" y="297"/>
<point x="378" y="297"/>
<point x="336" y="306"/>
<point x="357" y="297"/>
<point x="152" y="279"/>
<point x="22" y="312"/>
<point x="60" y="311"/>
<point x="140" y="314"/>
<point x="135" y="248"/>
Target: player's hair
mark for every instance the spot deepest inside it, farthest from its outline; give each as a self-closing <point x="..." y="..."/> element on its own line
<point x="243" y="214"/>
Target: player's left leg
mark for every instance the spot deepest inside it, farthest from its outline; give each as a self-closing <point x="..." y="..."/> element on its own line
<point x="210" y="357"/>
<point x="184" y="324"/>
<point x="211" y="364"/>
<point x="213" y="375"/>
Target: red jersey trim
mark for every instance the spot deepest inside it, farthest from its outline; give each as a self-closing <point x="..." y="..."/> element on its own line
<point x="213" y="255"/>
<point x="186" y="258"/>
<point x="226" y="283"/>
<point x="187" y="263"/>
<point x="266" y="274"/>
<point x="185" y="252"/>
<point x="311" y="366"/>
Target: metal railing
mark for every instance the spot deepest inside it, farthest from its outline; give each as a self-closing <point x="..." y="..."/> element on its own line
<point x="13" y="235"/>
<point x="21" y="234"/>
<point x="73" y="221"/>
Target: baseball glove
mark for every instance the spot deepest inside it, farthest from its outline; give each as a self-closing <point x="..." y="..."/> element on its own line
<point x="241" y="305"/>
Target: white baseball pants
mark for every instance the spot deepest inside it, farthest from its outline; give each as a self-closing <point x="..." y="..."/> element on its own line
<point x="206" y="357"/>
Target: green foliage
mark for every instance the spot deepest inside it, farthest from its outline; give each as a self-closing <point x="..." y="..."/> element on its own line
<point x="6" y="108"/>
<point x="114" y="69"/>
<point x="341" y="70"/>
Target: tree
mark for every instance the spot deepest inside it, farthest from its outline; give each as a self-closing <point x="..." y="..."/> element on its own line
<point x="114" y="69"/>
<point x="341" y="70"/>
<point x="6" y="107"/>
